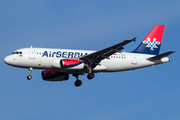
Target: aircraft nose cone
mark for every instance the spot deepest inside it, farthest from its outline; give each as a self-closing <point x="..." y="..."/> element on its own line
<point x="7" y="60"/>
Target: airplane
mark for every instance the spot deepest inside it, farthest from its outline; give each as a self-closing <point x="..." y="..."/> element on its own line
<point x="57" y="64"/>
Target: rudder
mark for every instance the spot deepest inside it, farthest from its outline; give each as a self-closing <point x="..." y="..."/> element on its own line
<point x="152" y="42"/>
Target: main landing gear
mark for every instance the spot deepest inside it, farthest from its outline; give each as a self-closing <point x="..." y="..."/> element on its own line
<point x="90" y="76"/>
<point x="30" y="71"/>
<point x="78" y="82"/>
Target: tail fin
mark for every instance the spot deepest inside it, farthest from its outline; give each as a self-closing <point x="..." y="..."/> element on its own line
<point x="152" y="42"/>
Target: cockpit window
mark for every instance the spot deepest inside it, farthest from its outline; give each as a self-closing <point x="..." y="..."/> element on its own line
<point x="16" y="52"/>
<point x="13" y="53"/>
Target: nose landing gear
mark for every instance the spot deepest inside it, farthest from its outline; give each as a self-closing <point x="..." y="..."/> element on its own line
<point x="29" y="77"/>
<point x="30" y="71"/>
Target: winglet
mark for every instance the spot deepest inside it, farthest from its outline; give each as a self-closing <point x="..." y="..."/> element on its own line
<point x="134" y="39"/>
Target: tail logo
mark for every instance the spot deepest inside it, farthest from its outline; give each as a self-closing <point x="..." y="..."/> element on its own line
<point x="150" y="44"/>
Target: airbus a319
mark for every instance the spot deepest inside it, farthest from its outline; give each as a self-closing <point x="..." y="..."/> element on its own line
<point x="57" y="64"/>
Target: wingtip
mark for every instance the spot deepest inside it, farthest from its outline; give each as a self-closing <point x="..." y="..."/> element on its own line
<point x="134" y="39"/>
<point x="172" y="51"/>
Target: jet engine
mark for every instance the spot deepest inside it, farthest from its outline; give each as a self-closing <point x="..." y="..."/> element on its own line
<point x="71" y="64"/>
<point x="50" y="75"/>
<point x="68" y="64"/>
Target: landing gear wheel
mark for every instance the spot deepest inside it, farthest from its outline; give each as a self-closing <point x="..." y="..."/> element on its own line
<point x="29" y="77"/>
<point x="90" y="76"/>
<point x="30" y="71"/>
<point x="78" y="83"/>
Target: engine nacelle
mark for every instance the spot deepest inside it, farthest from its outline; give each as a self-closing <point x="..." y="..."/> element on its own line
<point x="51" y="75"/>
<point x="71" y="64"/>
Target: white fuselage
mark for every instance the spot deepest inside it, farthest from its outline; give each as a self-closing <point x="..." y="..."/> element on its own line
<point x="45" y="58"/>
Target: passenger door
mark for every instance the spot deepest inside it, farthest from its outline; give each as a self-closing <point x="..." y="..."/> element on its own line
<point x="31" y="53"/>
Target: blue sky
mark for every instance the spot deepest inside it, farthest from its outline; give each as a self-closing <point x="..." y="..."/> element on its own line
<point x="148" y="93"/>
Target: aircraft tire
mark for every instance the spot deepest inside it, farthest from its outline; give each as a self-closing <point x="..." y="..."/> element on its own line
<point x="29" y="77"/>
<point x="90" y="76"/>
<point x="78" y="83"/>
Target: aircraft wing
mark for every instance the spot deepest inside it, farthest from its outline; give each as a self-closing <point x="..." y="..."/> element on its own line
<point x="95" y="58"/>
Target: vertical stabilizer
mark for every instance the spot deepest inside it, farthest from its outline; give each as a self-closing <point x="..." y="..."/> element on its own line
<point x="152" y="42"/>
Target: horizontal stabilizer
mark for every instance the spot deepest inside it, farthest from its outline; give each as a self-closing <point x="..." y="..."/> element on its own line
<point x="158" y="57"/>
